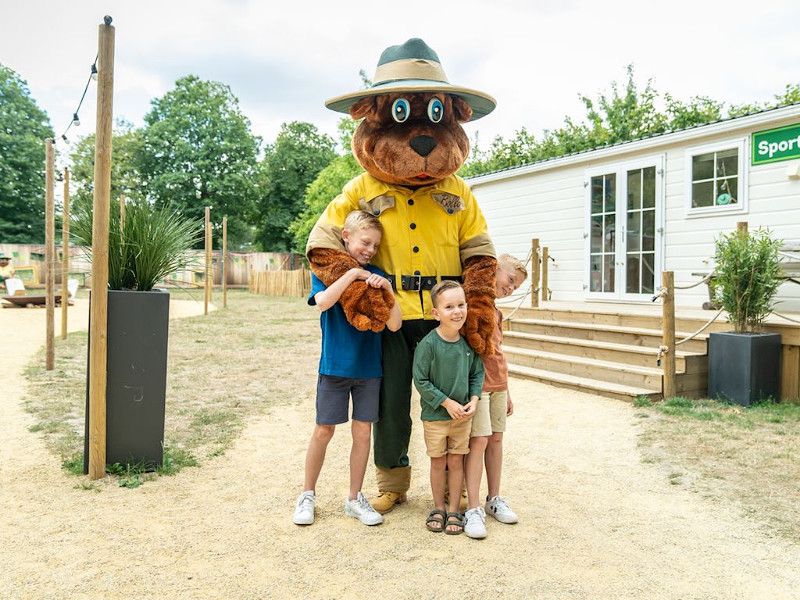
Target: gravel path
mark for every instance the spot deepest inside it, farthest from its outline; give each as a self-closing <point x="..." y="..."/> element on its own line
<point x="595" y="521"/>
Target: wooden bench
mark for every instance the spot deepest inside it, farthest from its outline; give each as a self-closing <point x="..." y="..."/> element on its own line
<point x="790" y="263"/>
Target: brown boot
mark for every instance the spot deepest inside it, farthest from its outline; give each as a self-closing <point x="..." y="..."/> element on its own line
<point x="392" y="485"/>
<point x="385" y="501"/>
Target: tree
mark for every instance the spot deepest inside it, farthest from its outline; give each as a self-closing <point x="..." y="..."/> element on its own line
<point x="320" y="192"/>
<point x="289" y="166"/>
<point x="197" y="151"/>
<point x="24" y="127"/>
<point x="126" y="146"/>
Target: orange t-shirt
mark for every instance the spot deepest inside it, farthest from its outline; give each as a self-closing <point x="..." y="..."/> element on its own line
<point x="495" y="366"/>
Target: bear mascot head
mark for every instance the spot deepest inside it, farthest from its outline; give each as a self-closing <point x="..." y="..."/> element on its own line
<point x="410" y="143"/>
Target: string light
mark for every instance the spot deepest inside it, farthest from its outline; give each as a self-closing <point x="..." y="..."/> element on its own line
<point x="75" y="119"/>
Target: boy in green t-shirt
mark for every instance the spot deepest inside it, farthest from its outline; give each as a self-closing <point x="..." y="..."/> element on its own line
<point x="449" y="376"/>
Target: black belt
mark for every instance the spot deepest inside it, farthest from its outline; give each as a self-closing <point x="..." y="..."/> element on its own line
<point x="415" y="283"/>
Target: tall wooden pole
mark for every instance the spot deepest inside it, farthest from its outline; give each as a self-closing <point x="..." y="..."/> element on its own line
<point x="100" y="223"/>
<point x="668" y="332"/>
<point x="224" y="262"/>
<point x="535" y="273"/>
<point x="65" y="257"/>
<point x="207" y="278"/>
<point x="49" y="252"/>
<point x="545" y="271"/>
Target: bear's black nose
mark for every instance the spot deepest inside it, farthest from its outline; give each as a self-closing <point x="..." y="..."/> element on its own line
<point x="422" y="144"/>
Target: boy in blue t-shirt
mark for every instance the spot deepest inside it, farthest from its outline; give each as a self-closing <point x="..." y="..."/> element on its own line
<point x="350" y="365"/>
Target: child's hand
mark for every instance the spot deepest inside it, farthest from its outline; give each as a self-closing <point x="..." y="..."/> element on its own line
<point x="361" y="274"/>
<point x="454" y="409"/>
<point x="376" y="281"/>
<point x="470" y="407"/>
<point x="509" y="407"/>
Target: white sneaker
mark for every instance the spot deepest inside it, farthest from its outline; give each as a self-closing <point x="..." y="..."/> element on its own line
<point x="304" y="509"/>
<point x="361" y="509"/>
<point x="474" y="523"/>
<point x="499" y="509"/>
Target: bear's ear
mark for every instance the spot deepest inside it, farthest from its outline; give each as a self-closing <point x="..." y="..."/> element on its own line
<point x="362" y="108"/>
<point x="461" y="109"/>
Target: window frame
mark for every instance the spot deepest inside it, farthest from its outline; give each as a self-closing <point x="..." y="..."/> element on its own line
<point x="739" y="144"/>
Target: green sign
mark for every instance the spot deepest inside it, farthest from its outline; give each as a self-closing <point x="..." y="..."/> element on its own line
<point x="774" y="145"/>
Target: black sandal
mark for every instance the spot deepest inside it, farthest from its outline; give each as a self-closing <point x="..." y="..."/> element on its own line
<point x="435" y="516"/>
<point x="454" y="519"/>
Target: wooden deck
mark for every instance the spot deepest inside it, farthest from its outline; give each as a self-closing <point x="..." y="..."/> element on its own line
<point x="612" y="348"/>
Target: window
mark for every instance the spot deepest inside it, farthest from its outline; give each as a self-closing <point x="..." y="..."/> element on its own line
<point x="715" y="178"/>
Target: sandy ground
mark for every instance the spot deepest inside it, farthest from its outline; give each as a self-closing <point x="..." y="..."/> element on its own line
<point x="595" y="521"/>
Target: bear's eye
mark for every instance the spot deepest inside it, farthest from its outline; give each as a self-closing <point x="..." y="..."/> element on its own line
<point x="401" y="110"/>
<point x="435" y="110"/>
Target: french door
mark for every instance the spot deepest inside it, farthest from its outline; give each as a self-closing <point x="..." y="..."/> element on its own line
<point x="624" y="230"/>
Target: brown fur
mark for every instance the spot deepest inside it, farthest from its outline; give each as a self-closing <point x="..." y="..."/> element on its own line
<point x="382" y="146"/>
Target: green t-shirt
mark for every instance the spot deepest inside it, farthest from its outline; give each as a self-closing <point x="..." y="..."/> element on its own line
<point x="445" y="370"/>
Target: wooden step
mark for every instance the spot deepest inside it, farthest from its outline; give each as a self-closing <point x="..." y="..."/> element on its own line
<point x="584" y="384"/>
<point x="603" y="370"/>
<point x="618" y="334"/>
<point x="624" y="353"/>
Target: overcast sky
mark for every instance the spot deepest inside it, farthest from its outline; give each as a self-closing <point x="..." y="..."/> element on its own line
<point x="284" y="58"/>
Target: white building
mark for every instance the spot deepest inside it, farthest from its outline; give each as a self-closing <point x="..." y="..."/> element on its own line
<point x="615" y="217"/>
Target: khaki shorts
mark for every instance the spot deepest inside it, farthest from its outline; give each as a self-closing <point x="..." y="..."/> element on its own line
<point x="447" y="437"/>
<point x="490" y="415"/>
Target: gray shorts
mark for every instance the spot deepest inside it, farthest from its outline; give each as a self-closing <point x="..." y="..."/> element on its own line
<point x="333" y="399"/>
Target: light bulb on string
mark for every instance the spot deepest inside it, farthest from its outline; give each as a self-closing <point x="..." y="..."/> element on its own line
<point x="75" y="120"/>
<point x="94" y="71"/>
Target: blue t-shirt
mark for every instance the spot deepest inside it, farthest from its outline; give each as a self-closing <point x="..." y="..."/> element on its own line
<point x="346" y="351"/>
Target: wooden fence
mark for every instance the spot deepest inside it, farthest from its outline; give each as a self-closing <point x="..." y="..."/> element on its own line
<point x="281" y="283"/>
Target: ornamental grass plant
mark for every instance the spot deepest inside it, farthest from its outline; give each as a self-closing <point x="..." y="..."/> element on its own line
<point x="747" y="276"/>
<point x="151" y="244"/>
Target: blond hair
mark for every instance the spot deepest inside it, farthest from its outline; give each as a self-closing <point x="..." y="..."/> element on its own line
<point x="442" y="286"/>
<point x="358" y="220"/>
<point x="508" y="262"/>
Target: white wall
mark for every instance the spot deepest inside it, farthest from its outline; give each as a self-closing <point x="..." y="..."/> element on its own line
<point x="547" y="201"/>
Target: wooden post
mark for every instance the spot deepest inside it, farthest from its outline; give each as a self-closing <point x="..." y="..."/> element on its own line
<point x="535" y="271"/>
<point x="49" y="253"/>
<point x="207" y="289"/>
<point x="100" y="222"/>
<point x="224" y="262"/>
<point x="741" y="227"/>
<point x="668" y="333"/>
<point x="545" y="269"/>
<point x="65" y="257"/>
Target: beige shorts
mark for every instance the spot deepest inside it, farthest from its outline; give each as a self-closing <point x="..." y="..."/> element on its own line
<point x="447" y="437"/>
<point x="490" y="415"/>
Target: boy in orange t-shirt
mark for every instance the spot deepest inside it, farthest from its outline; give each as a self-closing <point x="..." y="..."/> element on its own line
<point x="489" y="422"/>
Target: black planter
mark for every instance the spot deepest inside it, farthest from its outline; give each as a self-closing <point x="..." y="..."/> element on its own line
<point x="744" y="367"/>
<point x="138" y="328"/>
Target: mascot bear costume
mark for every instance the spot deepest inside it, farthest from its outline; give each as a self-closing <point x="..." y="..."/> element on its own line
<point x="410" y="143"/>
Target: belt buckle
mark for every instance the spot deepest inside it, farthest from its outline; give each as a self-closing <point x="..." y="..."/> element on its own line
<point x="417" y="282"/>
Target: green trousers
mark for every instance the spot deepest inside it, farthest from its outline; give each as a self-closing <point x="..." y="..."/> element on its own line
<point x="393" y="429"/>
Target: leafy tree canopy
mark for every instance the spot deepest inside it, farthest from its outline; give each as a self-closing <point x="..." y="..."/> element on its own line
<point x="24" y="127"/>
<point x="197" y="151"/>
<point x="289" y="166"/>
<point x="625" y="114"/>
<point x="126" y="145"/>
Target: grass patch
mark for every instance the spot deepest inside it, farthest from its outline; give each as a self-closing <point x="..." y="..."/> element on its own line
<point x="224" y="369"/>
<point x="750" y="456"/>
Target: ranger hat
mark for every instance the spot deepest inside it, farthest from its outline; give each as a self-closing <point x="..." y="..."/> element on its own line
<point x="4" y="257"/>
<point x="413" y="67"/>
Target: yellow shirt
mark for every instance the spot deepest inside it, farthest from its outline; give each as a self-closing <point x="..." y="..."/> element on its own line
<point x="6" y="272"/>
<point x="429" y="231"/>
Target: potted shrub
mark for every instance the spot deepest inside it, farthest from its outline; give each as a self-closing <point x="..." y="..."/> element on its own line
<point x="144" y="248"/>
<point x="744" y="364"/>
